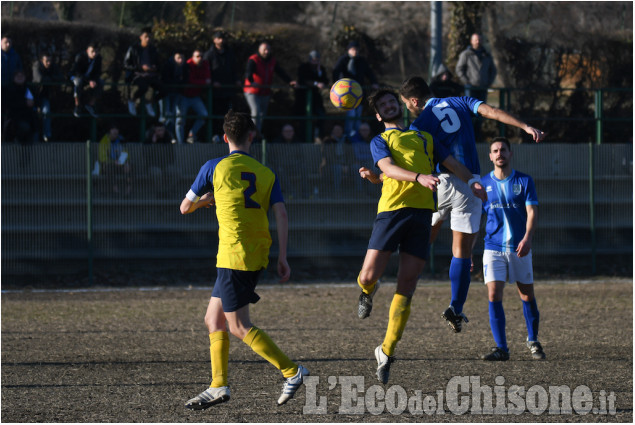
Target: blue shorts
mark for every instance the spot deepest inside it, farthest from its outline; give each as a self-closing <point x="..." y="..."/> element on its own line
<point x="236" y="288"/>
<point x="407" y="229"/>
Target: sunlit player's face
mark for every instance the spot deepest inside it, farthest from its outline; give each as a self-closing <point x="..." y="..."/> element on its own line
<point x="388" y="108"/>
<point x="499" y="154"/>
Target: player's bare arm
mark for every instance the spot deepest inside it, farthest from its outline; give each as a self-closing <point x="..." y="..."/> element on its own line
<point x="464" y="174"/>
<point x="392" y="170"/>
<point x="525" y="245"/>
<point x="492" y="113"/>
<point x="204" y="201"/>
<point x="282" y="225"/>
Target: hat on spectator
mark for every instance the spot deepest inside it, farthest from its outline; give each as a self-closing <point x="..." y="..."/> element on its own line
<point x="353" y="44"/>
<point x="219" y="34"/>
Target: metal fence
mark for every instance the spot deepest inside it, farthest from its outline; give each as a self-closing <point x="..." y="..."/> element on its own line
<point x="54" y="208"/>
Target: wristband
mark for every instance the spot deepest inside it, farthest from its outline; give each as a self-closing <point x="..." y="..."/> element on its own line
<point x="473" y="180"/>
<point x="417" y="177"/>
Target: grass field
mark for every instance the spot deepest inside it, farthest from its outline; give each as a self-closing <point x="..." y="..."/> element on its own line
<point x="137" y="355"/>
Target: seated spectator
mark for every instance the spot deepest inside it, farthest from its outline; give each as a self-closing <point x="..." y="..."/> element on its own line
<point x="18" y="111"/>
<point x="142" y="70"/>
<point x="174" y="75"/>
<point x="11" y="61"/>
<point x="159" y="159"/>
<point x="113" y="160"/>
<point x="287" y="135"/>
<point x="442" y="84"/>
<point x="333" y="161"/>
<point x="360" y="140"/>
<point x="222" y="64"/>
<point x="86" y="71"/>
<point x="311" y="77"/>
<point x="45" y="72"/>
<point x="197" y="74"/>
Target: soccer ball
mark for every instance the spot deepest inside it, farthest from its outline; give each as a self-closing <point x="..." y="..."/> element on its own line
<point x="346" y="94"/>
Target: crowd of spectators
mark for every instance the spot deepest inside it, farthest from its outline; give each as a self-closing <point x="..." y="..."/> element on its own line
<point x="179" y="86"/>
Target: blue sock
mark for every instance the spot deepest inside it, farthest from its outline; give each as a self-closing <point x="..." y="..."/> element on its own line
<point x="460" y="281"/>
<point x="497" y="324"/>
<point x="532" y="319"/>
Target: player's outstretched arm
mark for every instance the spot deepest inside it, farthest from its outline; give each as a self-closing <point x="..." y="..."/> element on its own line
<point x="392" y="170"/>
<point x="282" y="224"/>
<point x="506" y="118"/>
<point x="532" y="217"/>
<point x="188" y="206"/>
<point x="369" y="175"/>
<point x="464" y="174"/>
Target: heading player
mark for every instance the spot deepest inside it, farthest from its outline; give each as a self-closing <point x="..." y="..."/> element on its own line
<point x="511" y="210"/>
<point x="406" y="158"/>
<point x="243" y="190"/>
<point x="449" y="121"/>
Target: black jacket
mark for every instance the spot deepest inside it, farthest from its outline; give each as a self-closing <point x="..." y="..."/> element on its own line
<point x="81" y="64"/>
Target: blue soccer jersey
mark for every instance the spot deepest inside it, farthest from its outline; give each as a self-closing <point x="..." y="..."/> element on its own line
<point x="449" y="121"/>
<point x="506" y="209"/>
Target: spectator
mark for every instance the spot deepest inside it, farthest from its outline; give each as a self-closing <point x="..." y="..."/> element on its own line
<point x="442" y="84"/>
<point x="18" y="108"/>
<point x="333" y="160"/>
<point x="142" y="70"/>
<point x="113" y="160"/>
<point x="11" y="61"/>
<point x="86" y="71"/>
<point x="258" y="78"/>
<point x="45" y="72"/>
<point x="175" y="75"/>
<point x="311" y="77"/>
<point x="360" y="141"/>
<point x="222" y="63"/>
<point x="159" y="158"/>
<point x="476" y="69"/>
<point x="352" y="65"/>
<point x="198" y="74"/>
<point x="287" y="135"/>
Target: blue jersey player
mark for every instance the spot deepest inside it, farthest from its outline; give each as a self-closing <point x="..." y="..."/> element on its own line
<point x="511" y="211"/>
<point x="449" y="121"/>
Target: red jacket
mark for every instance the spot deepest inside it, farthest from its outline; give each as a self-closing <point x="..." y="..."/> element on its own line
<point x="263" y="76"/>
<point x="198" y="75"/>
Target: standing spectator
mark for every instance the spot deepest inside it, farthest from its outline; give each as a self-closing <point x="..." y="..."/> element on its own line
<point x="442" y="84"/>
<point x="113" y="160"/>
<point x="511" y="210"/>
<point x="198" y="74"/>
<point x="258" y="78"/>
<point x="159" y="158"/>
<point x="311" y="78"/>
<point x="476" y="69"/>
<point x="142" y="70"/>
<point x="222" y="64"/>
<point x="352" y="65"/>
<point x="11" y="61"/>
<point x="18" y="109"/>
<point x="45" y="72"/>
<point x="86" y="71"/>
<point x="175" y="75"/>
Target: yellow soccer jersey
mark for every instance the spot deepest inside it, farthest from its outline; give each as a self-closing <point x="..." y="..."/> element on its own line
<point x="244" y="189"/>
<point x="411" y="150"/>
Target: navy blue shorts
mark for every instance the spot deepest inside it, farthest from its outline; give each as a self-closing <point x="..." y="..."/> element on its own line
<point x="407" y="229"/>
<point x="236" y="288"/>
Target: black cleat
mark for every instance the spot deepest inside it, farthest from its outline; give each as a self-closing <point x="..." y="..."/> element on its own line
<point x="454" y="320"/>
<point x="536" y="350"/>
<point x="496" y="355"/>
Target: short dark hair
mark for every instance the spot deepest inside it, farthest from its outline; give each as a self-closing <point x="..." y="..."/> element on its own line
<point x="374" y="97"/>
<point x="145" y="30"/>
<point x="415" y="87"/>
<point x="501" y="140"/>
<point x="237" y="126"/>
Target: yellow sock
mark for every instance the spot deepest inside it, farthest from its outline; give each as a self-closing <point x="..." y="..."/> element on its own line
<point x="219" y="352"/>
<point x="397" y="319"/>
<point x="367" y="289"/>
<point x="260" y="342"/>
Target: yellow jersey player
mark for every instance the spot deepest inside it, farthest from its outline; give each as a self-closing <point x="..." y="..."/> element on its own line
<point x="404" y="215"/>
<point x="243" y="190"/>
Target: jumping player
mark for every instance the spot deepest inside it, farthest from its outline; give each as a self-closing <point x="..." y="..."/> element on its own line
<point x="243" y="190"/>
<point x="406" y="158"/>
<point x="449" y="121"/>
<point x="511" y="210"/>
